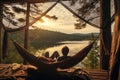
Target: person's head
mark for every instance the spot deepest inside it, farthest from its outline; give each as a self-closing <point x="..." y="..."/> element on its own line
<point x="55" y="54"/>
<point x="65" y="50"/>
<point x="46" y="54"/>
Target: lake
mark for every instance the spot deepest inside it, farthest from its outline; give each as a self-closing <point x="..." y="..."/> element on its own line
<point x="74" y="47"/>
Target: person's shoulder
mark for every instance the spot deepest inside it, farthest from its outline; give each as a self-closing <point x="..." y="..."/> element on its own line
<point x="61" y="58"/>
<point x="68" y="57"/>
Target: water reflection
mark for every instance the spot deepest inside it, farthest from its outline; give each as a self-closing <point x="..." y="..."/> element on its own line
<point x="74" y="47"/>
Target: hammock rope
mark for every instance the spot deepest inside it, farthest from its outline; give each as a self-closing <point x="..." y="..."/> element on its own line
<point x="78" y="15"/>
<point x="87" y="21"/>
<point x="44" y="13"/>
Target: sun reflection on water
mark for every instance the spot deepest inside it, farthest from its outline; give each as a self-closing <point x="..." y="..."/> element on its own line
<point x="74" y="47"/>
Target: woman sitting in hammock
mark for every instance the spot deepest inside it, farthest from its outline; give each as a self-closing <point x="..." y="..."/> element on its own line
<point x="55" y="55"/>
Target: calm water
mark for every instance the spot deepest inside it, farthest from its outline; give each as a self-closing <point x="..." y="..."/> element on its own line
<point x="74" y="47"/>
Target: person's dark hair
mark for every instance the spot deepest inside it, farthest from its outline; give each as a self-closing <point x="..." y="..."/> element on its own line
<point x="65" y="50"/>
<point x="55" y="55"/>
<point x="46" y="54"/>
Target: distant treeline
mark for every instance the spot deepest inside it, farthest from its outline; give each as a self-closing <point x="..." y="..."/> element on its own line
<point x="41" y="39"/>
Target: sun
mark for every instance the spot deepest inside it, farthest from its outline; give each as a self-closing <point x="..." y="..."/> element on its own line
<point x="44" y="22"/>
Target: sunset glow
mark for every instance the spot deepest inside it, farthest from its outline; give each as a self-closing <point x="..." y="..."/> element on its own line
<point x="45" y="22"/>
<point x="64" y="23"/>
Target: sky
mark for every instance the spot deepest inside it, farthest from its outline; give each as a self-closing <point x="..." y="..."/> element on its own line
<point x="64" y="23"/>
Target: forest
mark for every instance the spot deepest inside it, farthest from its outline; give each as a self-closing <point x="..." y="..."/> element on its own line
<point x="107" y="13"/>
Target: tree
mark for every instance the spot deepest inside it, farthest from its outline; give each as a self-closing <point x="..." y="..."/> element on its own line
<point x="11" y="22"/>
<point x="115" y="51"/>
<point x="105" y="25"/>
<point x="11" y="12"/>
<point x="86" y="9"/>
<point x="105" y="33"/>
<point x="92" y="60"/>
<point x="87" y="6"/>
<point x="1" y="33"/>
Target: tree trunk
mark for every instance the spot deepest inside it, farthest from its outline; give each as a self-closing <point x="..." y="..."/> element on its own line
<point x="26" y="29"/>
<point x="105" y="34"/>
<point x="0" y="33"/>
<point x="115" y="49"/>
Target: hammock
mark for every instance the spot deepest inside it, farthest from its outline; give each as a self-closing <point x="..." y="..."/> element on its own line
<point x="42" y="64"/>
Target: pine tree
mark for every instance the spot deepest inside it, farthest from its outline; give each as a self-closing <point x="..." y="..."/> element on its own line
<point x="92" y="60"/>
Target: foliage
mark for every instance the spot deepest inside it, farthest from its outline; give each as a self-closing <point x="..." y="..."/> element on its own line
<point x="45" y="38"/>
<point x="15" y="14"/>
<point x="92" y="60"/>
<point x="86" y="10"/>
<point x="13" y="56"/>
<point x="39" y="39"/>
<point x="87" y="7"/>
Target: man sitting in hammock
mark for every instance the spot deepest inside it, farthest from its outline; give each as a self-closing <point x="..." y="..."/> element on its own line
<point x="65" y="51"/>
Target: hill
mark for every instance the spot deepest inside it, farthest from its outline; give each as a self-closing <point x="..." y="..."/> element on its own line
<point x="40" y="38"/>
